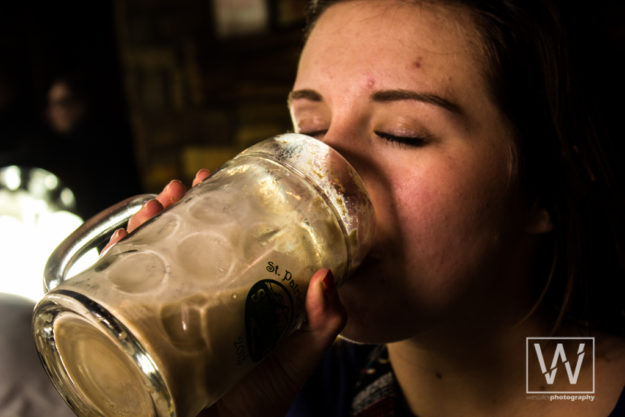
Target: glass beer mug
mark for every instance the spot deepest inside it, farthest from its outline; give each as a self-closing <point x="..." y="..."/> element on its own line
<point x="171" y="317"/>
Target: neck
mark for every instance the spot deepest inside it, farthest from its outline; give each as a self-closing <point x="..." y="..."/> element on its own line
<point x="467" y="370"/>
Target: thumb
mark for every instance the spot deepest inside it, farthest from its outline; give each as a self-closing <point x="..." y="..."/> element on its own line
<point x="271" y="388"/>
<point x="326" y="317"/>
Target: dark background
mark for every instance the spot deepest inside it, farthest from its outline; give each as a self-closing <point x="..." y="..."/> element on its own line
<point x="168" y="94"/>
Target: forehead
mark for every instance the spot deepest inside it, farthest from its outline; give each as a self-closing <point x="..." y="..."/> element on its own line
<point x="418" y="45"/>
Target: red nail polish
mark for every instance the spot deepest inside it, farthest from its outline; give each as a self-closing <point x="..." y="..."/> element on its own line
<point x="328" y="282"/>
<point x="151" y="203"/>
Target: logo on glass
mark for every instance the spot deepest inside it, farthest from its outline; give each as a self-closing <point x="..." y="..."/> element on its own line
<point x="268" y="316"/>
<point x="560" y="365"/>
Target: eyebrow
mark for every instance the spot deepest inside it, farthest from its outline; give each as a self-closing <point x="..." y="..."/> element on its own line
<point x="306" y="94"/>
<point x="385" y="96"/>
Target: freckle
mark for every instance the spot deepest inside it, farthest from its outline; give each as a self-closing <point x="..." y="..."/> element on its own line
<point x="417" y="63"/>
<point x="439" y="375"/>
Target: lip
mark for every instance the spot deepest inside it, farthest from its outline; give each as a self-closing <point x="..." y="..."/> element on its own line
<point x="373" y="258"/>
<point x="371" y="266"/>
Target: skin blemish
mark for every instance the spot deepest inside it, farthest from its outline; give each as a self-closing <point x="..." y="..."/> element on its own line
<point x="439" y="375"/>
<point x="417" y="63"/>
<point x="370" y="82"/>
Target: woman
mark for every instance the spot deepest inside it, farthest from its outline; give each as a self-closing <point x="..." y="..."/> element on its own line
<point x="481" y="171"/>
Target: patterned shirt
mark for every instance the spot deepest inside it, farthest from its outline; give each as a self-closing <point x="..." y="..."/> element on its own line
<point x="358" y="381"/>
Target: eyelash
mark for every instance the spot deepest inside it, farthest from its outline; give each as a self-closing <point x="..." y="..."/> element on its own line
<point x="408" y="141"/>
<point x="314" y="133"/>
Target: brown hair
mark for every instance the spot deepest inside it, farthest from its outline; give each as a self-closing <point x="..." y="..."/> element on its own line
<point x="567" y="160"/>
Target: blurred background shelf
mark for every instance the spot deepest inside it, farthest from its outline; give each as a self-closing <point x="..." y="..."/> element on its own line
<point x="202" y="83"/>
<point x="169" y="85"/>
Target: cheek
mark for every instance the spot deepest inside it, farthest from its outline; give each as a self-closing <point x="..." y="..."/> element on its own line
<point x="443" y="221"/>
<point x="451" y="218"/>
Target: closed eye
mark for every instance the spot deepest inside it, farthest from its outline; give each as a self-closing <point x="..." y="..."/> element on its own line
<point x="414" y="141"/>
<point x="314" y="133"/>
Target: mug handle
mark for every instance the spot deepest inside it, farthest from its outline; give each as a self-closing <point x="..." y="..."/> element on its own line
<point x="89" y="235"/>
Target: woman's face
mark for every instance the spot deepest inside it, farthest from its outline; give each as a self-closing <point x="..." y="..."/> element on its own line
<point x="398" y="88"/>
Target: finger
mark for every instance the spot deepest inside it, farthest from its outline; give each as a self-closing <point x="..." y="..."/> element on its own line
<point x="118" y="235"/>
<point x="149" y="210"/>
<point x="200" y="176"/>
<point x="326" y="318"/>
<point x="171" y="193"/>
<point x="273" y="385"/>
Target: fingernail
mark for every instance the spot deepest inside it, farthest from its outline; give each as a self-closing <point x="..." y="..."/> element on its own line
<point x="329" y="286"/>
<point x="116" y="234"/>
<point x="201" y="171"/>
<point x="171" y="183"/>
<point x="150" y="203"/>
<point x="166" y="190"/>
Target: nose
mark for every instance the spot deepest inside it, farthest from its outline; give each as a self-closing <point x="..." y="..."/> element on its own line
<point x="357" y="148"/>
<point x="351" y="141"/>
<point x="348" y="138"/>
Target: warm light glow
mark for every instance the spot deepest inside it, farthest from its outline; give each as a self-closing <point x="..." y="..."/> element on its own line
<point x="11" y="177"/>
<point x="51" y="181"/>
<point x="29" y="232"/>
<point x="67" y="197"/>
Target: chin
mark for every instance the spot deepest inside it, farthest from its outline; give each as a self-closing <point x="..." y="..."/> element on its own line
<point x="378" y="305"/>
<point x="356" y="334"/>
<point x="371" y="320"/>
<point x="371" y="334"/>
<point x="379" y="311"/>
